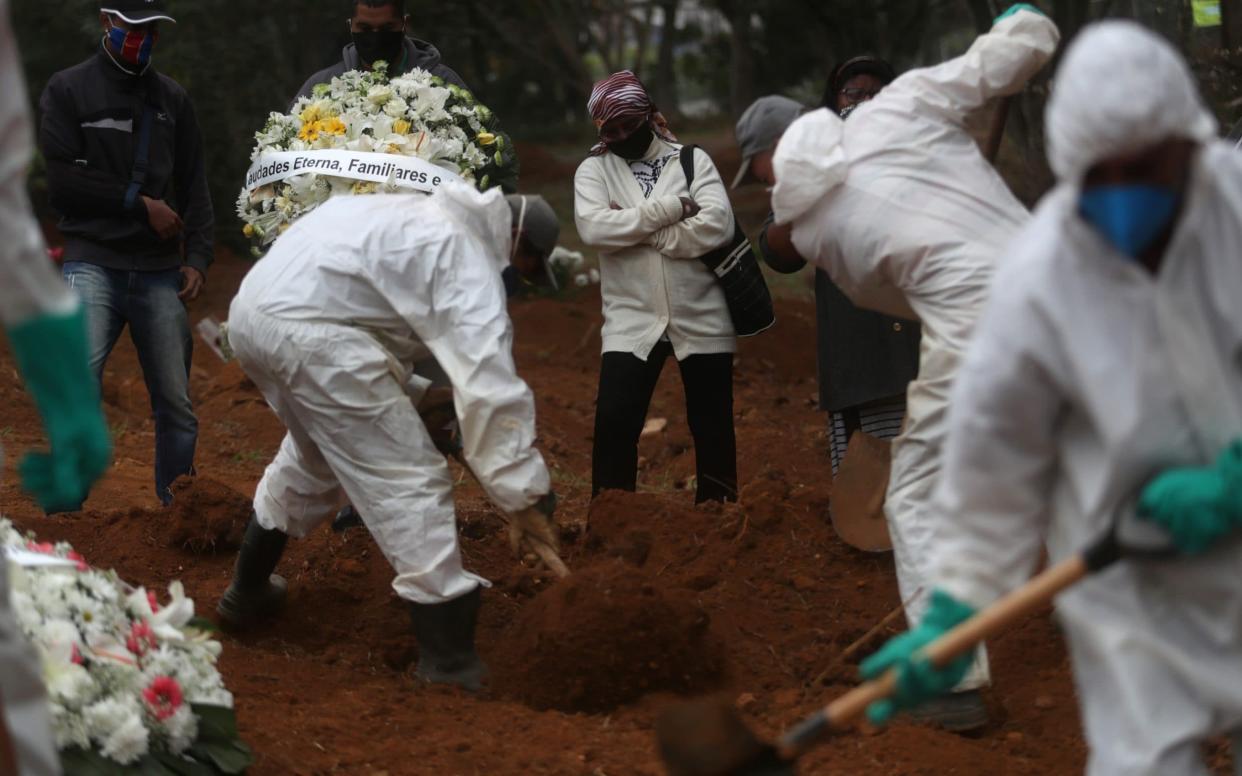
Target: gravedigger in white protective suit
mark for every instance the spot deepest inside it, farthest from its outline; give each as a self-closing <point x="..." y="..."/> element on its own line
<point x="906" y="215"/>
<point x="329" y="325"/>
<point x="1105" y="383"/>
<point x="47" y="337"/>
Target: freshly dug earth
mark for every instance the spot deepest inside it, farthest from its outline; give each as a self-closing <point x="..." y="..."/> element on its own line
<point x="605" y="636"/>
<point x="326" y="688"/>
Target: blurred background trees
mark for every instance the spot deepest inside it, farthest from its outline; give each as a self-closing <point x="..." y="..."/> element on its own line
<point x="534" y="61"/>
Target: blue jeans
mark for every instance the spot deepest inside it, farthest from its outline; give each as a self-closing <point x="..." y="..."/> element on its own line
<point x="160" y="329"/>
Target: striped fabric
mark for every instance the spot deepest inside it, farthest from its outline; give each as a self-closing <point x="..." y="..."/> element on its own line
<point x="622" y="95"/>
<point x="882" y="419"/>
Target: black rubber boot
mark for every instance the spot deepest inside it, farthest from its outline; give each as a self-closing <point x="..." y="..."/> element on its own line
<point x="256" y="593"/>
<point x="959" y="712"/>
<point x="445" y="634"/>
<point x="346" y="519"/>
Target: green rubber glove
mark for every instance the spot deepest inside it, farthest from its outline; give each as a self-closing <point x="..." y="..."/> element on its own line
<point x="917" y="680"/>
<point x="1197" y="506"/>
<point x="51" y="352"/>
<point x="1013" y="9"/>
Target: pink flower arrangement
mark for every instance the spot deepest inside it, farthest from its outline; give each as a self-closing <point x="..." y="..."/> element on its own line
<point x="163" y="697"/>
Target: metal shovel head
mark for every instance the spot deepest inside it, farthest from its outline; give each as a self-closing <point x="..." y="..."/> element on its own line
<point x="857" y="506"/>
<point x="707" y="737"/>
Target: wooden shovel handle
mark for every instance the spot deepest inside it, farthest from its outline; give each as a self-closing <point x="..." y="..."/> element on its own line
<point x="546" y="552"/>
<point x="996" y="132"/>
<point x="987" y="624"/>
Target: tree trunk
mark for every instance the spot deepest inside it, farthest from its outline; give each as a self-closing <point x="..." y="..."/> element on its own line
<point x="1231" y="24"/>
<point x="663" y="84"/>
<point x="742" y="56"/>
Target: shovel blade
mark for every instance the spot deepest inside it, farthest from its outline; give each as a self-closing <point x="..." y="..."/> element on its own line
<point x="858" y="491"/>
<point x="708" y="738"/>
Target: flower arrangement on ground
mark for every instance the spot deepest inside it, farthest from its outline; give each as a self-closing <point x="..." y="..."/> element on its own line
<point x="364" y="133"/>
<point x="131" y="681"/>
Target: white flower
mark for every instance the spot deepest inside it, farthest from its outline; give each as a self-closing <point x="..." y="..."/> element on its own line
<point x="68" y="728"/>
<point x="581" y="281"/>
<point x="379" y="95"/>
<point x="593" y="274"/>
<point x="68" y="684"/>
<point x="396" y="107"/>
<point x="168" y="621"/>
<point x="182" y="729"/>
<point x="129" y="742"/>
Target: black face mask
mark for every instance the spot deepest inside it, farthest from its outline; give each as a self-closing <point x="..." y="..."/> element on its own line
<point x="635" y="146"/>
<point x="376" y="45"/>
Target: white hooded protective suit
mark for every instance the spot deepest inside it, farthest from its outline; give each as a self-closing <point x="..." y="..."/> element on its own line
<point x="908" y="218"/>
<point x="329" y="324"/>
<point x="1089" y="376"/>
<point x="29" y="286"/>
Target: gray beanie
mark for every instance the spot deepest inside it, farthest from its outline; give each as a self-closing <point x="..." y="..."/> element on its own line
<point x="539" y="223"/>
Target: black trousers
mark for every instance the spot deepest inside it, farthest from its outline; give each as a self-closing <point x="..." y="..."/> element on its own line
<point x="626" y="384"/>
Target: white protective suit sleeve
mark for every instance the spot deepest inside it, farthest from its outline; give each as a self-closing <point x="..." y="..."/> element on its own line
<point x="461" y="317"/>
<point x="711" y="228"/>
<point x="29" y="285"/>
<point x="992" y="503"/>
<point x="602" y="227"/>
<point x="998" y="63"/>
<point x="811" y="159"/>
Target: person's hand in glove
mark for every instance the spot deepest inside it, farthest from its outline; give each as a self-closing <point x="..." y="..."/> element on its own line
<point x="1197" y="506"/>
<point x="917" y="681"/>
<point x="534" y="523"/>
<point x="1013" y="9"/>
<point x="52" y="355"/>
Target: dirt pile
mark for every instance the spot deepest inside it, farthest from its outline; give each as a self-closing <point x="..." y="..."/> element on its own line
<point x="605" y="636"/>
<point x="205" y="516"/>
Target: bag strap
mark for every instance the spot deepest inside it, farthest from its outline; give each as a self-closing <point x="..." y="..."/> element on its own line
<point x="687" y="163"/>
<point x="142" y="157"/>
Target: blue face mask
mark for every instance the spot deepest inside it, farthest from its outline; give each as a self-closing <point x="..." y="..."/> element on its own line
<point x="132" y="47"/>
<point x="1130" y="216"/>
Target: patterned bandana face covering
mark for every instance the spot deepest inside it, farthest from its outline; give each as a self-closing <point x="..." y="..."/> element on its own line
<point x="133" y="47"/>
<point x="622" y="96"/>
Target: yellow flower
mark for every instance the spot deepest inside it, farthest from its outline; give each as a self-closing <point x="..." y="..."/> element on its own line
<point x="486" y="138"/>
<point x="401" y="127"/>
<point x="309" y="132"/>
<point x="362" y="187"/>
<point x="248" y="230"/>
<point x="310" y="115"/>
<point x="332" y="126"/>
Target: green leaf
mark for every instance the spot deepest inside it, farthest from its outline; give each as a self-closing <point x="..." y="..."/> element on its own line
<point x="81" y="762"/>
<point x="215" y="723"/>
<point x="185" y="766"/>
<point x="231" y="758"/>
<point x="203" y="624"/>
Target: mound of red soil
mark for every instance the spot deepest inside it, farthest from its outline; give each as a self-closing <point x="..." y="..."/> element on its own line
<point x="605" y="636"/>
<point x="206" y="516"/>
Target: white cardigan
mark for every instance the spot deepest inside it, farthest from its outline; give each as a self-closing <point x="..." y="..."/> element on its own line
<point x="652" y="281"/>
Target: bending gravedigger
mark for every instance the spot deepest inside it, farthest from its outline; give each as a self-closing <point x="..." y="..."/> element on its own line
<point x="329" y="325"/>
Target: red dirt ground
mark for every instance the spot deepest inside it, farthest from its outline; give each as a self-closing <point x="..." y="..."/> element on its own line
<point x="761" y="596"/>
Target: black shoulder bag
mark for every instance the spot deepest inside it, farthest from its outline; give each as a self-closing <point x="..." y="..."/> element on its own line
<point x="737" y="271"/>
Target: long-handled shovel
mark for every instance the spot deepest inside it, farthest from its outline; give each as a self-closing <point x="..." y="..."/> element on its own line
<point x="710" y="739"/>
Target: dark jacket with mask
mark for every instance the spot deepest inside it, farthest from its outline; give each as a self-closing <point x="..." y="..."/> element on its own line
<point x="417" y="54"/>
<point x="90" y="122"/>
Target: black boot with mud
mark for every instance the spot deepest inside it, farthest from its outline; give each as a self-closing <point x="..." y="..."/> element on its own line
<point x="255" y="593"/>
<point x="445" y="633"/>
